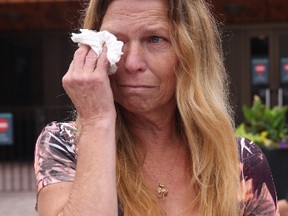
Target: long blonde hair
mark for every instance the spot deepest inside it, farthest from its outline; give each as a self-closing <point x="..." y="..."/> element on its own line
<point x="203" y="110"/>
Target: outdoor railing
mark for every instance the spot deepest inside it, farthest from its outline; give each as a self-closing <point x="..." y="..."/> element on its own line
<point x="16" y="158"/>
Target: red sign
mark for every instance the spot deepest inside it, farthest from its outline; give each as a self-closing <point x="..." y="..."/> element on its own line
<point x="286" y="68"/>
<point x="260" y="68"/>
<point x="3" y="125"/>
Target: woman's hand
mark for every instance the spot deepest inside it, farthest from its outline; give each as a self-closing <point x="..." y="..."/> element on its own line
<point x="88" y="86"/>
<point x="93" y="191"/>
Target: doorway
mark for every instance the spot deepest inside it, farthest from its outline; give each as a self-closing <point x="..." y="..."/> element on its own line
<point x="257" y="60"/>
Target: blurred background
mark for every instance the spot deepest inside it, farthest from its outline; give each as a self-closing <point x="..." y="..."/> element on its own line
<point x="35" y="51"/>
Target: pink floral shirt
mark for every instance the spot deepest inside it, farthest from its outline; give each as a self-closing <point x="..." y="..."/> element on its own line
<point x="56" y="158"/>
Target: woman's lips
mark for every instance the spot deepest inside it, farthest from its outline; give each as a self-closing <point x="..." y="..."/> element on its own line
<point x="136" y="86"/>
<point x="136" y="89"/>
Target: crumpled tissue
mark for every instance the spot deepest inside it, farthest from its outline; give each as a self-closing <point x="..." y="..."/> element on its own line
<point x="96" y="41"/>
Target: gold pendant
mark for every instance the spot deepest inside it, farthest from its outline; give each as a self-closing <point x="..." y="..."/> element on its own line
<point x="162" y="191"/>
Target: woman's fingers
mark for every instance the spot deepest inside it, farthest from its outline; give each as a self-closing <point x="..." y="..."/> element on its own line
<point x="87" y="84"/>
<point x="90" y="62"/>
<point x="86" y="60"/>
<point x="103" y="62"/>
<point x="79" y="58"/>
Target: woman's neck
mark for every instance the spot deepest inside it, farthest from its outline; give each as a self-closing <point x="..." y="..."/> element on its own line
<point x="154" y="131"/>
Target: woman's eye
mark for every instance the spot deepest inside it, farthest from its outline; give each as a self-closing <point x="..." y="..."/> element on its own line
<point x="155" y="39"/>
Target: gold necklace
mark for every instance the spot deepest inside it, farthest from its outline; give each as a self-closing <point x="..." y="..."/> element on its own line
<point x="161" y="189"/>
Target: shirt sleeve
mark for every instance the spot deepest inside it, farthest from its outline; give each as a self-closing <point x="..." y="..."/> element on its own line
<point x="55" y="155"/>
<point x="258" y="191"/>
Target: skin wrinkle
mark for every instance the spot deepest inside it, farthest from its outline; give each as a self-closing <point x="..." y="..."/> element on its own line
<point x="134" y="42"/>
<point x="137" y="122"/>
<point x="133" y="12"/>
<point x="153" y="16"/>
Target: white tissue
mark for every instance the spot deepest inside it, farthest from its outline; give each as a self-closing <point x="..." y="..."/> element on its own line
<point x="96" y="41"/>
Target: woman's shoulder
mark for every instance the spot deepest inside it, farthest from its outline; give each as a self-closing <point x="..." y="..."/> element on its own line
<point x="252" y="158"/>
<point x="55" y="154"/>
<point x="258" y="190"/>
<point x="248" y="149"/>
<point x="60" y="127"/>
<point x="58" y="132"/>
<point x="57" y="139"/>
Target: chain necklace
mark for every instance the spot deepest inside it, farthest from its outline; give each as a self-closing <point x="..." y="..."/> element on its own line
<point x="161" y="189"/>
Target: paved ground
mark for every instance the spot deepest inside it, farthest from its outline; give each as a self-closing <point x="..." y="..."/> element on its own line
<point x="17" y="189"/>
<point x="17" y="203"/>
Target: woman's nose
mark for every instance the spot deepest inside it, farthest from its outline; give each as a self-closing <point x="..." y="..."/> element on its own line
<point x="134" y="57"/>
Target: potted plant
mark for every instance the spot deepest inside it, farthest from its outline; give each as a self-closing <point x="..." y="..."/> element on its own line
<point x="267" y="128"/>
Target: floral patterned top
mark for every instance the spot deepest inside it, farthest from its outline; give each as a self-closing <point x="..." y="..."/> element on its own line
<point x="56" y="158"/>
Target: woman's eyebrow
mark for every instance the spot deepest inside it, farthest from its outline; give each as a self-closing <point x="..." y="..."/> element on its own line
<point x="147" y="27"/>
<point x="157" y="30"/>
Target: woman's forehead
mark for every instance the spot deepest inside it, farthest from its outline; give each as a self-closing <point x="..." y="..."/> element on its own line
<point x="136" y="5"/>
<point x="147" y="12"/>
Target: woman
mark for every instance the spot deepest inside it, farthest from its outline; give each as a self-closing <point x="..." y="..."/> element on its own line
<point x="156" y="138"/>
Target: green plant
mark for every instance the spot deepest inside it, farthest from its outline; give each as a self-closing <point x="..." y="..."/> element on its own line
<point x="265" y="126"/>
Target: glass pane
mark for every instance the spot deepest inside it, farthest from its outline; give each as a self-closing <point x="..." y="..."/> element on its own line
<point x="283" y="53"/>
<point x="259" y="52"/>
<point x="260" y="60"/>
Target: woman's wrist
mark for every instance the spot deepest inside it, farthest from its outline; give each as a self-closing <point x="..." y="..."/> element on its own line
<point x="96" y="122"/>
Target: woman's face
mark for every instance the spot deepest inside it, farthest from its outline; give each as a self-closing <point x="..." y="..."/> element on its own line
<point x="145" y="80"/>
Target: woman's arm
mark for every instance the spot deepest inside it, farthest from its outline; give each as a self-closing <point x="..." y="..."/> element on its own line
<point x="93" y="191"/>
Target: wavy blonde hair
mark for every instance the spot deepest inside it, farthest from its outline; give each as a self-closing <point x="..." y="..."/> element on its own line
<point x="204" y="115"/>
